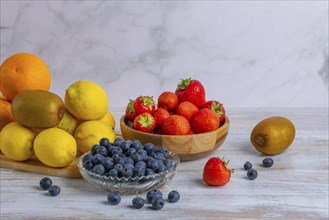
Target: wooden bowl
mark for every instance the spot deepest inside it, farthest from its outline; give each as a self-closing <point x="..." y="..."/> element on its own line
<point x="188" y="147"/>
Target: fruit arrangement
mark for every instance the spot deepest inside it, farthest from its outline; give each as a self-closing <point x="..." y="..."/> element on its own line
<point x="38" y="122"/>
<point x="182" y="112"/>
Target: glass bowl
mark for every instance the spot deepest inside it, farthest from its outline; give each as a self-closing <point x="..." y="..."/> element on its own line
<point x="131" y="185"/>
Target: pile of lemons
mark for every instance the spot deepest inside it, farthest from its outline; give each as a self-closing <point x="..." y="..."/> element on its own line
<point x="32" y="123"/>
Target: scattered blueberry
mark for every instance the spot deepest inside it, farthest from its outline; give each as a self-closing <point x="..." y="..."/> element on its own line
<point x="252" y="174"/>
<point x="173" y="196"/>
<point x="268" y="162"/>
<point x="114" y="198"/>
<point x="247" y="165"/>
<point x="138" y="202"/>
<point x="158" y="203"/>
<point x="54" y="190"/>
<point x="45" y="183"/>
<point x="153" y="194"/>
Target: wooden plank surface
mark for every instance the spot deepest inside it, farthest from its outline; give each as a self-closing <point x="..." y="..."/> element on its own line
<point x="296" y="187"/>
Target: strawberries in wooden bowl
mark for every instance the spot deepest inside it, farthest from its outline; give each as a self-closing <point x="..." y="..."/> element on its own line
<point x="182" y="121"/>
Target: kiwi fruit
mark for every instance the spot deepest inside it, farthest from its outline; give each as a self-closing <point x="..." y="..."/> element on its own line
<point x="38" y="109"/>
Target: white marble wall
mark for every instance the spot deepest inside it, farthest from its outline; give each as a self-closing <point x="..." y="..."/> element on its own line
<point x="246" y="53"/>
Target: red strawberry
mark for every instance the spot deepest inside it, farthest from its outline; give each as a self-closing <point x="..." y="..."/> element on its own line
<point x="144" y="104"/>
<point x="144" y="122"/>
<point x="160" y="115"/>
<point x="168" y="100"/>
<point x="158" y="131"/>
<point x="130" y="111"/>
<point x="192" y="91"/>
<point x="186" y="109"/>
<point x="204" y="120"/>
<point x="217" y="107"/>
<point x="216" y="173"/>
<point x="176" y="125"/>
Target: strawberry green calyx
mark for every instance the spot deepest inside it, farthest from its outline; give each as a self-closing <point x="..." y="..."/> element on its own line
<point x="218" y="108"/>
<point x="130" y="107"/>
<point x="147" y="101"/>
<point x="184" y="83"/>
<point x="226" y="164"/>
<point x="146" y="120"/>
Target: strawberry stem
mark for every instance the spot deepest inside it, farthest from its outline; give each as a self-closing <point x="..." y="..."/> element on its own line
<point x="147" y="101"/>
<point x="146" y="120"/>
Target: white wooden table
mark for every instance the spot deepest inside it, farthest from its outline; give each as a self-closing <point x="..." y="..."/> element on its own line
<point x="296" y="187"/>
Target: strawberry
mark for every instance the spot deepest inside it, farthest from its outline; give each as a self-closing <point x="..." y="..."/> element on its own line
<point x="186" y="109"/>
<point x="217" y="107"/>
<point x="176" y="125"/>
<point x="144" y="104"/>
<point x="168" y="100"/>
<point x="130" y="111"/>
<point x="204" y="120"/>
<point x="192" y="91"/>
<point x="144" y="122"/>
<point x="216" y="173"/>
<point x="160" y="115"/>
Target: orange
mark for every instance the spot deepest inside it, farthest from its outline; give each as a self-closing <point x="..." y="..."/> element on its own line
<point x="5" y="112"/>
<point x="23" y="71"/>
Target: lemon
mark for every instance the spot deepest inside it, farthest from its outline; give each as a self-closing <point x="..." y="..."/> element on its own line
<point x="89" y="133"/>
<point x="109" y="119"/>
<point x="86" y="100"/>
<point x="68" y="123"/>
<point x="16" y="141"/>
<point x="55" y="147"/>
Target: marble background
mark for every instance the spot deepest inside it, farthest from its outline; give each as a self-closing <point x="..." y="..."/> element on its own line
<point x="246" y="53"/>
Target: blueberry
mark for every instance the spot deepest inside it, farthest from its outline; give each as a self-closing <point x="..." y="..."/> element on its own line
<point x="130" y="152"/>
<point x="173" y="196"/>
<point x="138" y="202"/>
<point x="268" y="162"/>
<point x="94" y="148"/>
<point x="158" y="203"/>
<point x="161" y="168"/>
<point x="114" y="198"/>
<point x="143" y="153"/>
<point x="98" y="159"/>
<point x="164" y="151"/>
<point x="117" y="150"/>
<point x="98" y="169"/>
<point x="119" y="168"/>
<point x="247" y="165"/>
<point x="115" y="156"/>
<point x="129" y="166"/>
<point x="148" y="147"/>
<point x="137" y="157"/>
<point x="148" y="158"/>
<point x="108" y="164"/>
<point x="168" y="163"/>
<point x="157" y="149"/>
<point x="141" y="164"/>
<point x="153" y="164"/>
<point x="104" y="142"/>
<point x="137" y="145"/>
<point x="252" y="174"/>
<point x="125" y="145"/>
<point x="153" y="194"/>
<point x="118" y="141"/>
<point x="54" y="190"/>
<point x="159" y="156"/>
<point x="129" y="160"/>
<point x="138" y="171"/>
<point x="119" y="160"/>
<point x="113" y="173"/>
<point x="127" y="172"/>
<point x="148" y="172"/>
<point x="101" y="150"/>
<point x="87" y="157"/>
<point x="45" y="183"/>
<point x="88" y="164"/>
